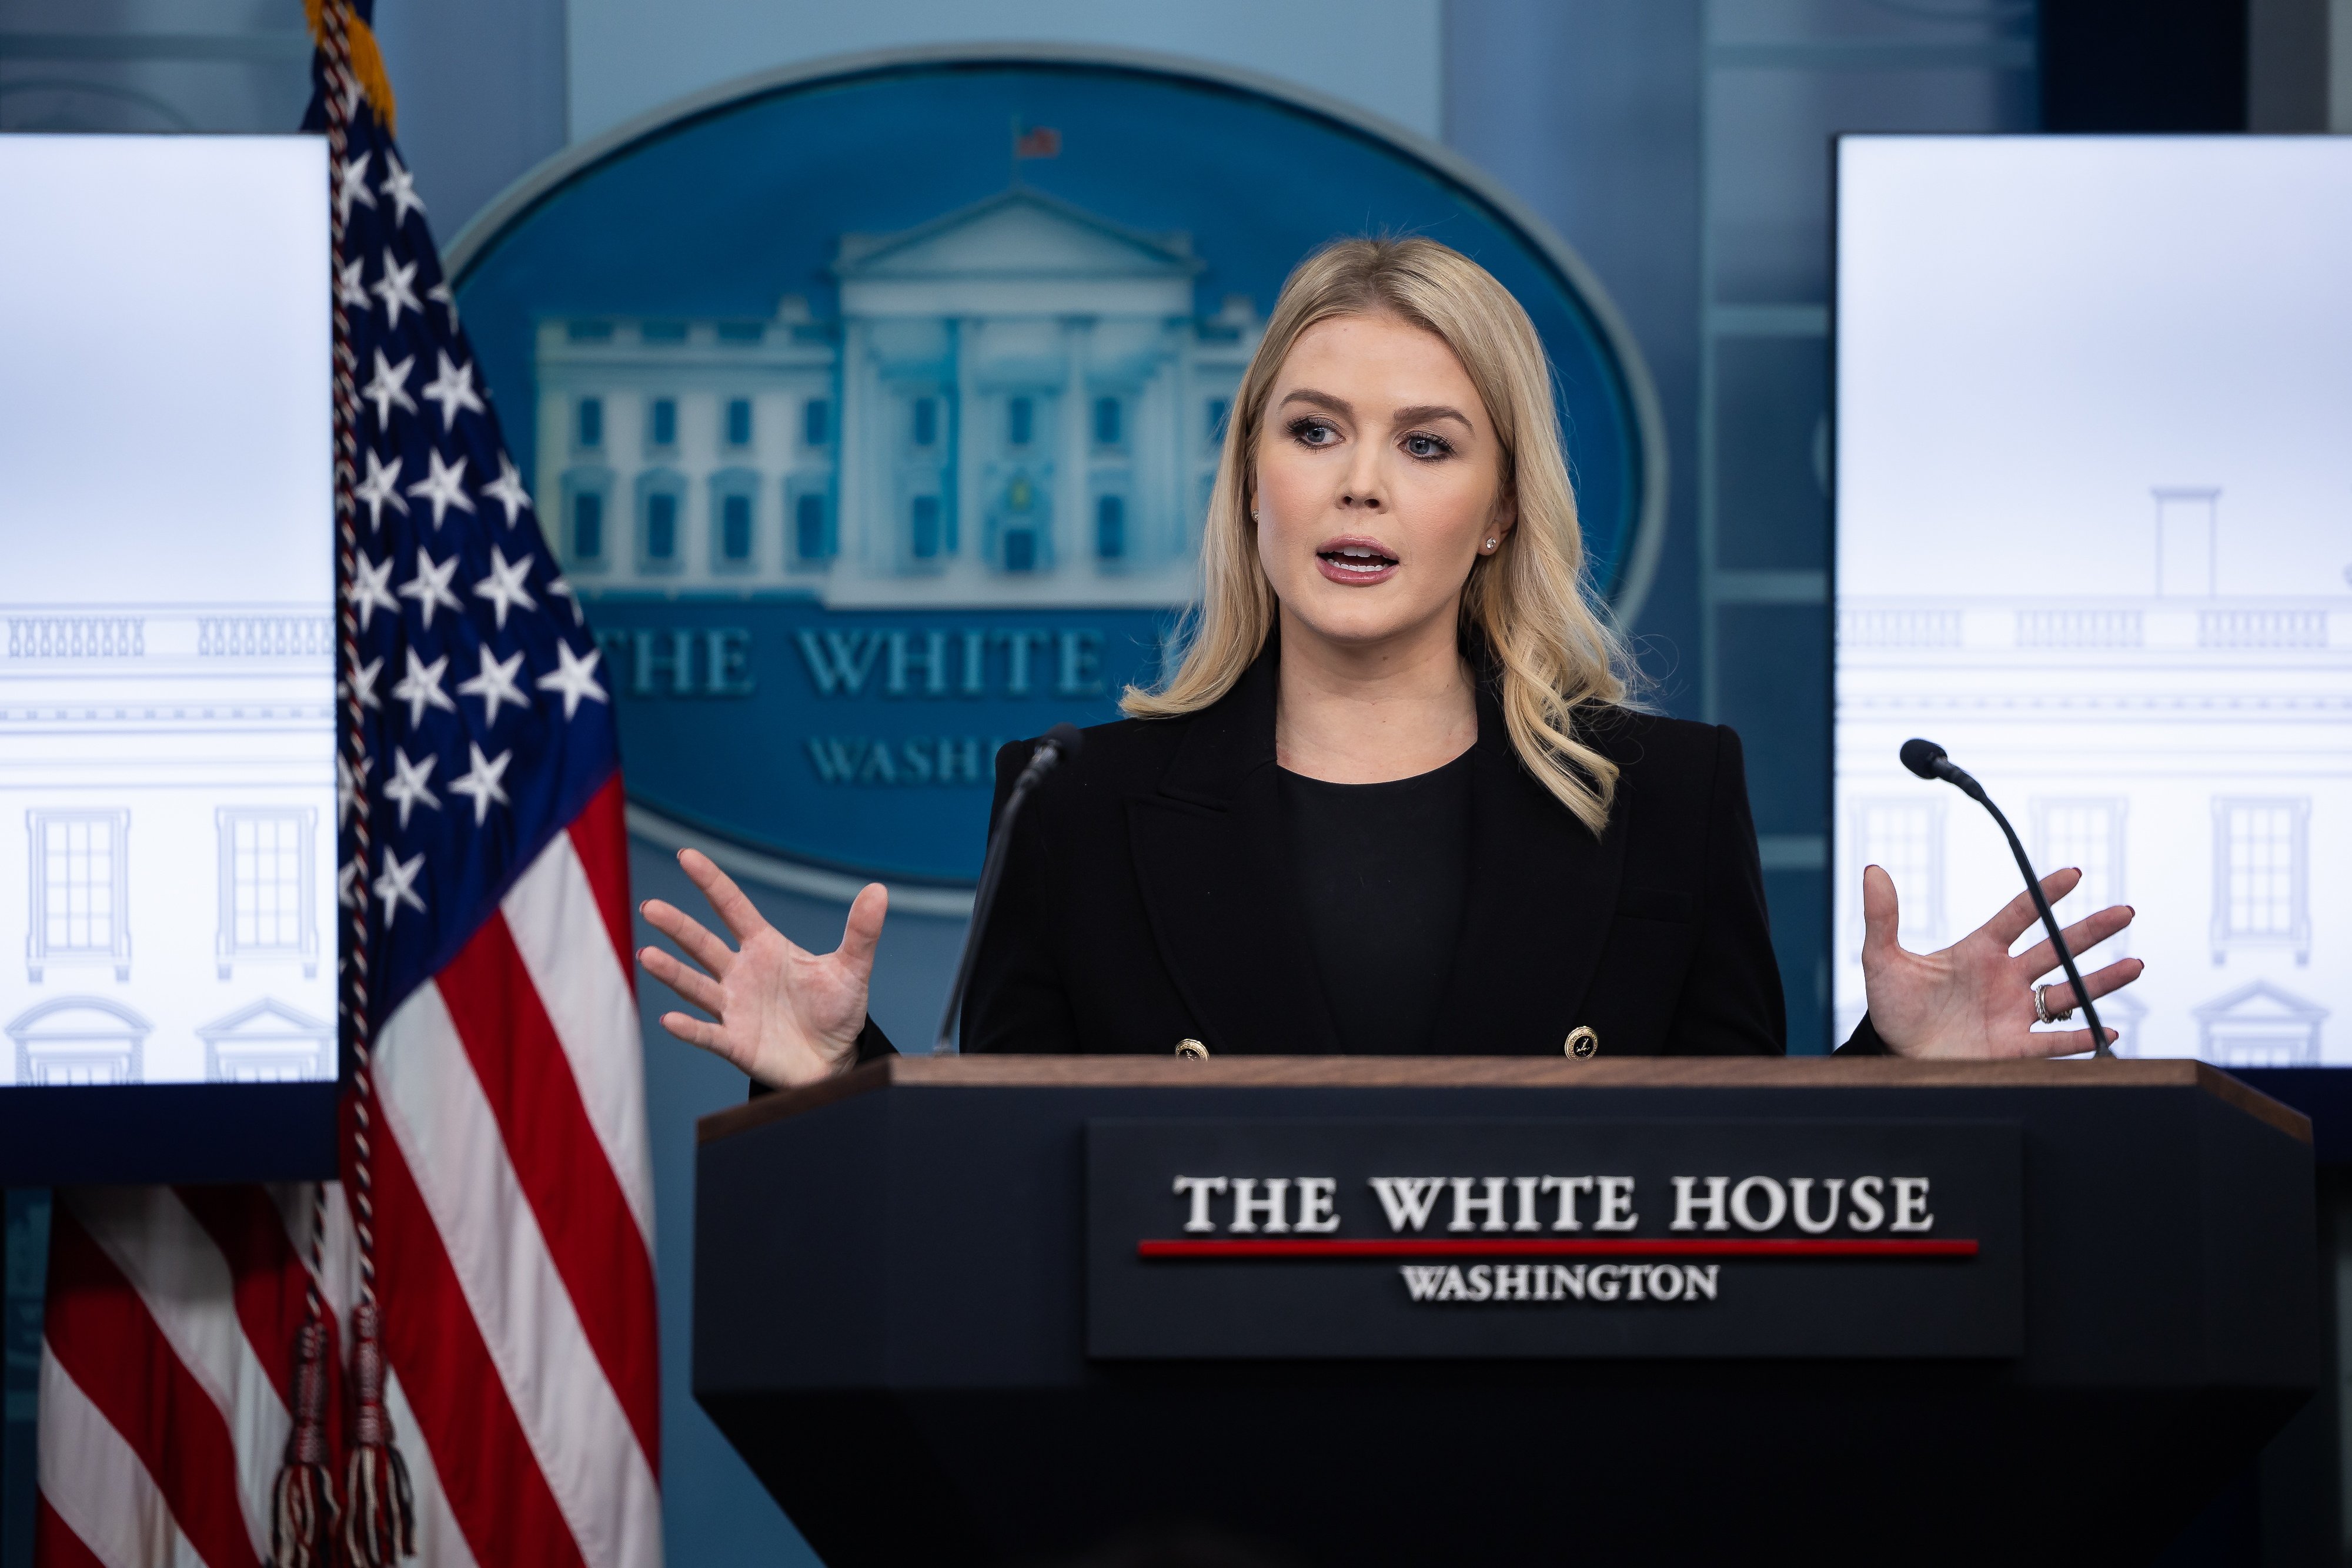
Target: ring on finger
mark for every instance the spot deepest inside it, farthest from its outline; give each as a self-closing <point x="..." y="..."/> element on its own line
<point x="2041" y="1008"/>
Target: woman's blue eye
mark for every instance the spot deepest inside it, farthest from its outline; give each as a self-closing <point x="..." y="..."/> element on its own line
<point x="1311" y="431"/>
<point x="1420" y="444"/>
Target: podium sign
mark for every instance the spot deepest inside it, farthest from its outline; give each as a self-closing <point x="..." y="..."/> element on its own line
<point x="1438" y="1238"/>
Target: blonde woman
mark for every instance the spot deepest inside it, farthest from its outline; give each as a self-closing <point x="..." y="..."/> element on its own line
<point x="1391" y="798"/>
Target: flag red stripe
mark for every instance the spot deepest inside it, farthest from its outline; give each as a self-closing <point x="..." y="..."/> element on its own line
<point x="108" y="1343"/>
<point x="496" y="1489"/>
<point x="600" y="835"/>
<point x="272" y="1289"/>
<point x="564" y="1173"/>
<point x="55" y="1545"/>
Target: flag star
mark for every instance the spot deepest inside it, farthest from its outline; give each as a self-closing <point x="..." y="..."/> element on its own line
<point x="388" y="386"/>
<point x="576" y="679"/>
<point x="560" y="588"/>
<point x="348" y="781"/>
<point x="348" y="289"/>
<point x="382" y="485"/>
<point x="401" y="186"/>
<point x="407" y="787"/>
<point x="496" y="685"/>
<point x="420" y="687"/>
<point x="507" y="489"/>
<point x="453" y="389"/>
<point x="505" y="586"/>
<point x="363" y="684"/>
<point x="430" y="587"/>
<point x="366" y="591"/>
<point x="396" y="289"/>
<point x="347" y="882"/>
<point x="444" y="487"/>
<point x="351" y="185"/>
<point x="481" y="781"/>
<point x="397" y="886"/>
<point x="439" y="294"/>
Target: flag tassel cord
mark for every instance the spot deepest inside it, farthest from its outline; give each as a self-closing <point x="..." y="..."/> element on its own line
<point x="304" y="1510"/>
<point x="376" y="1509"/>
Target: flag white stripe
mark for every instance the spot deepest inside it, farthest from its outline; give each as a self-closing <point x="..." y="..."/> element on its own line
<point x="568" y="951"/>
<point x="181" y="1275"/>
<point x="439" y="1542"/>
<point x="98" y="1486"/>
<point x="435" y="1107"/>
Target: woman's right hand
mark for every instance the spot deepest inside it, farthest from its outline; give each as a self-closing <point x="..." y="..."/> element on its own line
<point x="785" y="1016"/>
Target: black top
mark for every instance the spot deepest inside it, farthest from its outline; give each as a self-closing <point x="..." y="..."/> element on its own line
<point x="1145" y="899"/>
<point x="1379" y="872"/>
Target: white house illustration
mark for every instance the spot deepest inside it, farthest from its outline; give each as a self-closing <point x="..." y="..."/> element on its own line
<point x="2259" y="1025"/>
<point x="166" y="829"/>
<point x="1018" y="404"/>
<point x="80" y="1040"/>
<point x="2187" y="748"/>
<point x="268" y="1042"/>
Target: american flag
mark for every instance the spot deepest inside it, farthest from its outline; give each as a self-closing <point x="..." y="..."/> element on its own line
<point x="496" y="1135"/>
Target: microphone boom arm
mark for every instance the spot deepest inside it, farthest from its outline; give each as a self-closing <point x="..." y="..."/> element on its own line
<point x="2050" y="923"/>
<point x="1062" y="737"/>
<point x="1928" y="761"/>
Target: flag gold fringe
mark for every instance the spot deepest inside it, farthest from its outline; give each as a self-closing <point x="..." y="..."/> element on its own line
<point x="367" y="61"/>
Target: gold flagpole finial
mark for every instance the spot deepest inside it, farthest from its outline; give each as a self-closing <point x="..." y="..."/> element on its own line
<point x="367" y="60"/>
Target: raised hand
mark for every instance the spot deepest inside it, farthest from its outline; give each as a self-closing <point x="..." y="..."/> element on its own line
<point x="1972" y="999"/>
<point x="785" y="1016"/>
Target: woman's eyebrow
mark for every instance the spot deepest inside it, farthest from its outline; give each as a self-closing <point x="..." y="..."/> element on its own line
<point x="1337" y="405"/>
<point x="1427" y="412"/>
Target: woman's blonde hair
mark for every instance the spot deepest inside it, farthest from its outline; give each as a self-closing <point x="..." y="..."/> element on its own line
<point x="1527" y="602"/>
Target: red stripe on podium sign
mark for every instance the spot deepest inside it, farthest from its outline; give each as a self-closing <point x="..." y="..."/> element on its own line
<point x="1426" y="1247"/>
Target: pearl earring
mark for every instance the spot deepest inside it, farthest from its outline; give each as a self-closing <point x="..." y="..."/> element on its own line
<point x="1492" y="543"/>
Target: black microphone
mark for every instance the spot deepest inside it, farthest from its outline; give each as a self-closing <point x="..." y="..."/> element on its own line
<point x="1928" y="760"/>
<point x="1061" y="741"/>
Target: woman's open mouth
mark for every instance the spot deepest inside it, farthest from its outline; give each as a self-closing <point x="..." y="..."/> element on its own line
<point x="1356" y="561"/>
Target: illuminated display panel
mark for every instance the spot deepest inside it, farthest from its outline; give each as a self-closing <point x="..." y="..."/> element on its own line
<point x="2094" y="490"/>
<point x="167" y="799"/>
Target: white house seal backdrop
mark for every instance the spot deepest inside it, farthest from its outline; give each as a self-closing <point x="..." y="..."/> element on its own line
<point x="874" y="410"/>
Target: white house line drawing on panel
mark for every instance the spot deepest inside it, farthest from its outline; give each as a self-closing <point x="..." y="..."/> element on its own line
<point x="80" y="1040"/>
<point x="2190" y="748"/>
<point x="268" y="1042"/>
<point x="78" y="889"/>
<point x="2260" y="1025"/>
<point x="172" y="766"/>
<point x="268" y="882"/>
<point x="1018" y="404"/>
<point x="2261" y="874"/>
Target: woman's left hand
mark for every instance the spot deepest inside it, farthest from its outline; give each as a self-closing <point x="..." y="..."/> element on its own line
<point x="1972" y="999"/>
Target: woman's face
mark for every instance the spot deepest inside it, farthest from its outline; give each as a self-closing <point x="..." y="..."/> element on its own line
<point x="1379" y="481"/>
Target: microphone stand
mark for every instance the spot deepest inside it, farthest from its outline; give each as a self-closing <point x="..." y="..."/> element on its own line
<point x="1060" y="740"/>
<point x="1928" y="760"/>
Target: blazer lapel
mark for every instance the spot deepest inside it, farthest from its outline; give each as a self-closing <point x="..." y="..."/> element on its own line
<point x="1542" y="895"/>
<point x="1209" y="855"/>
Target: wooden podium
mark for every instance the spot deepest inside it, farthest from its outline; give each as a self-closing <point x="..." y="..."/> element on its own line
<point x="1505" y="1310"/>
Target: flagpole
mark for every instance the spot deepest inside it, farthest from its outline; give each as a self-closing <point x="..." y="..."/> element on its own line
<point x="306" y="1506"/>
<point x="379" y="1508"/>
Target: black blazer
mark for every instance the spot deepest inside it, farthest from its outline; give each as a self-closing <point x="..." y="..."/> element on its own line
<point x="1145" y="901"/>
